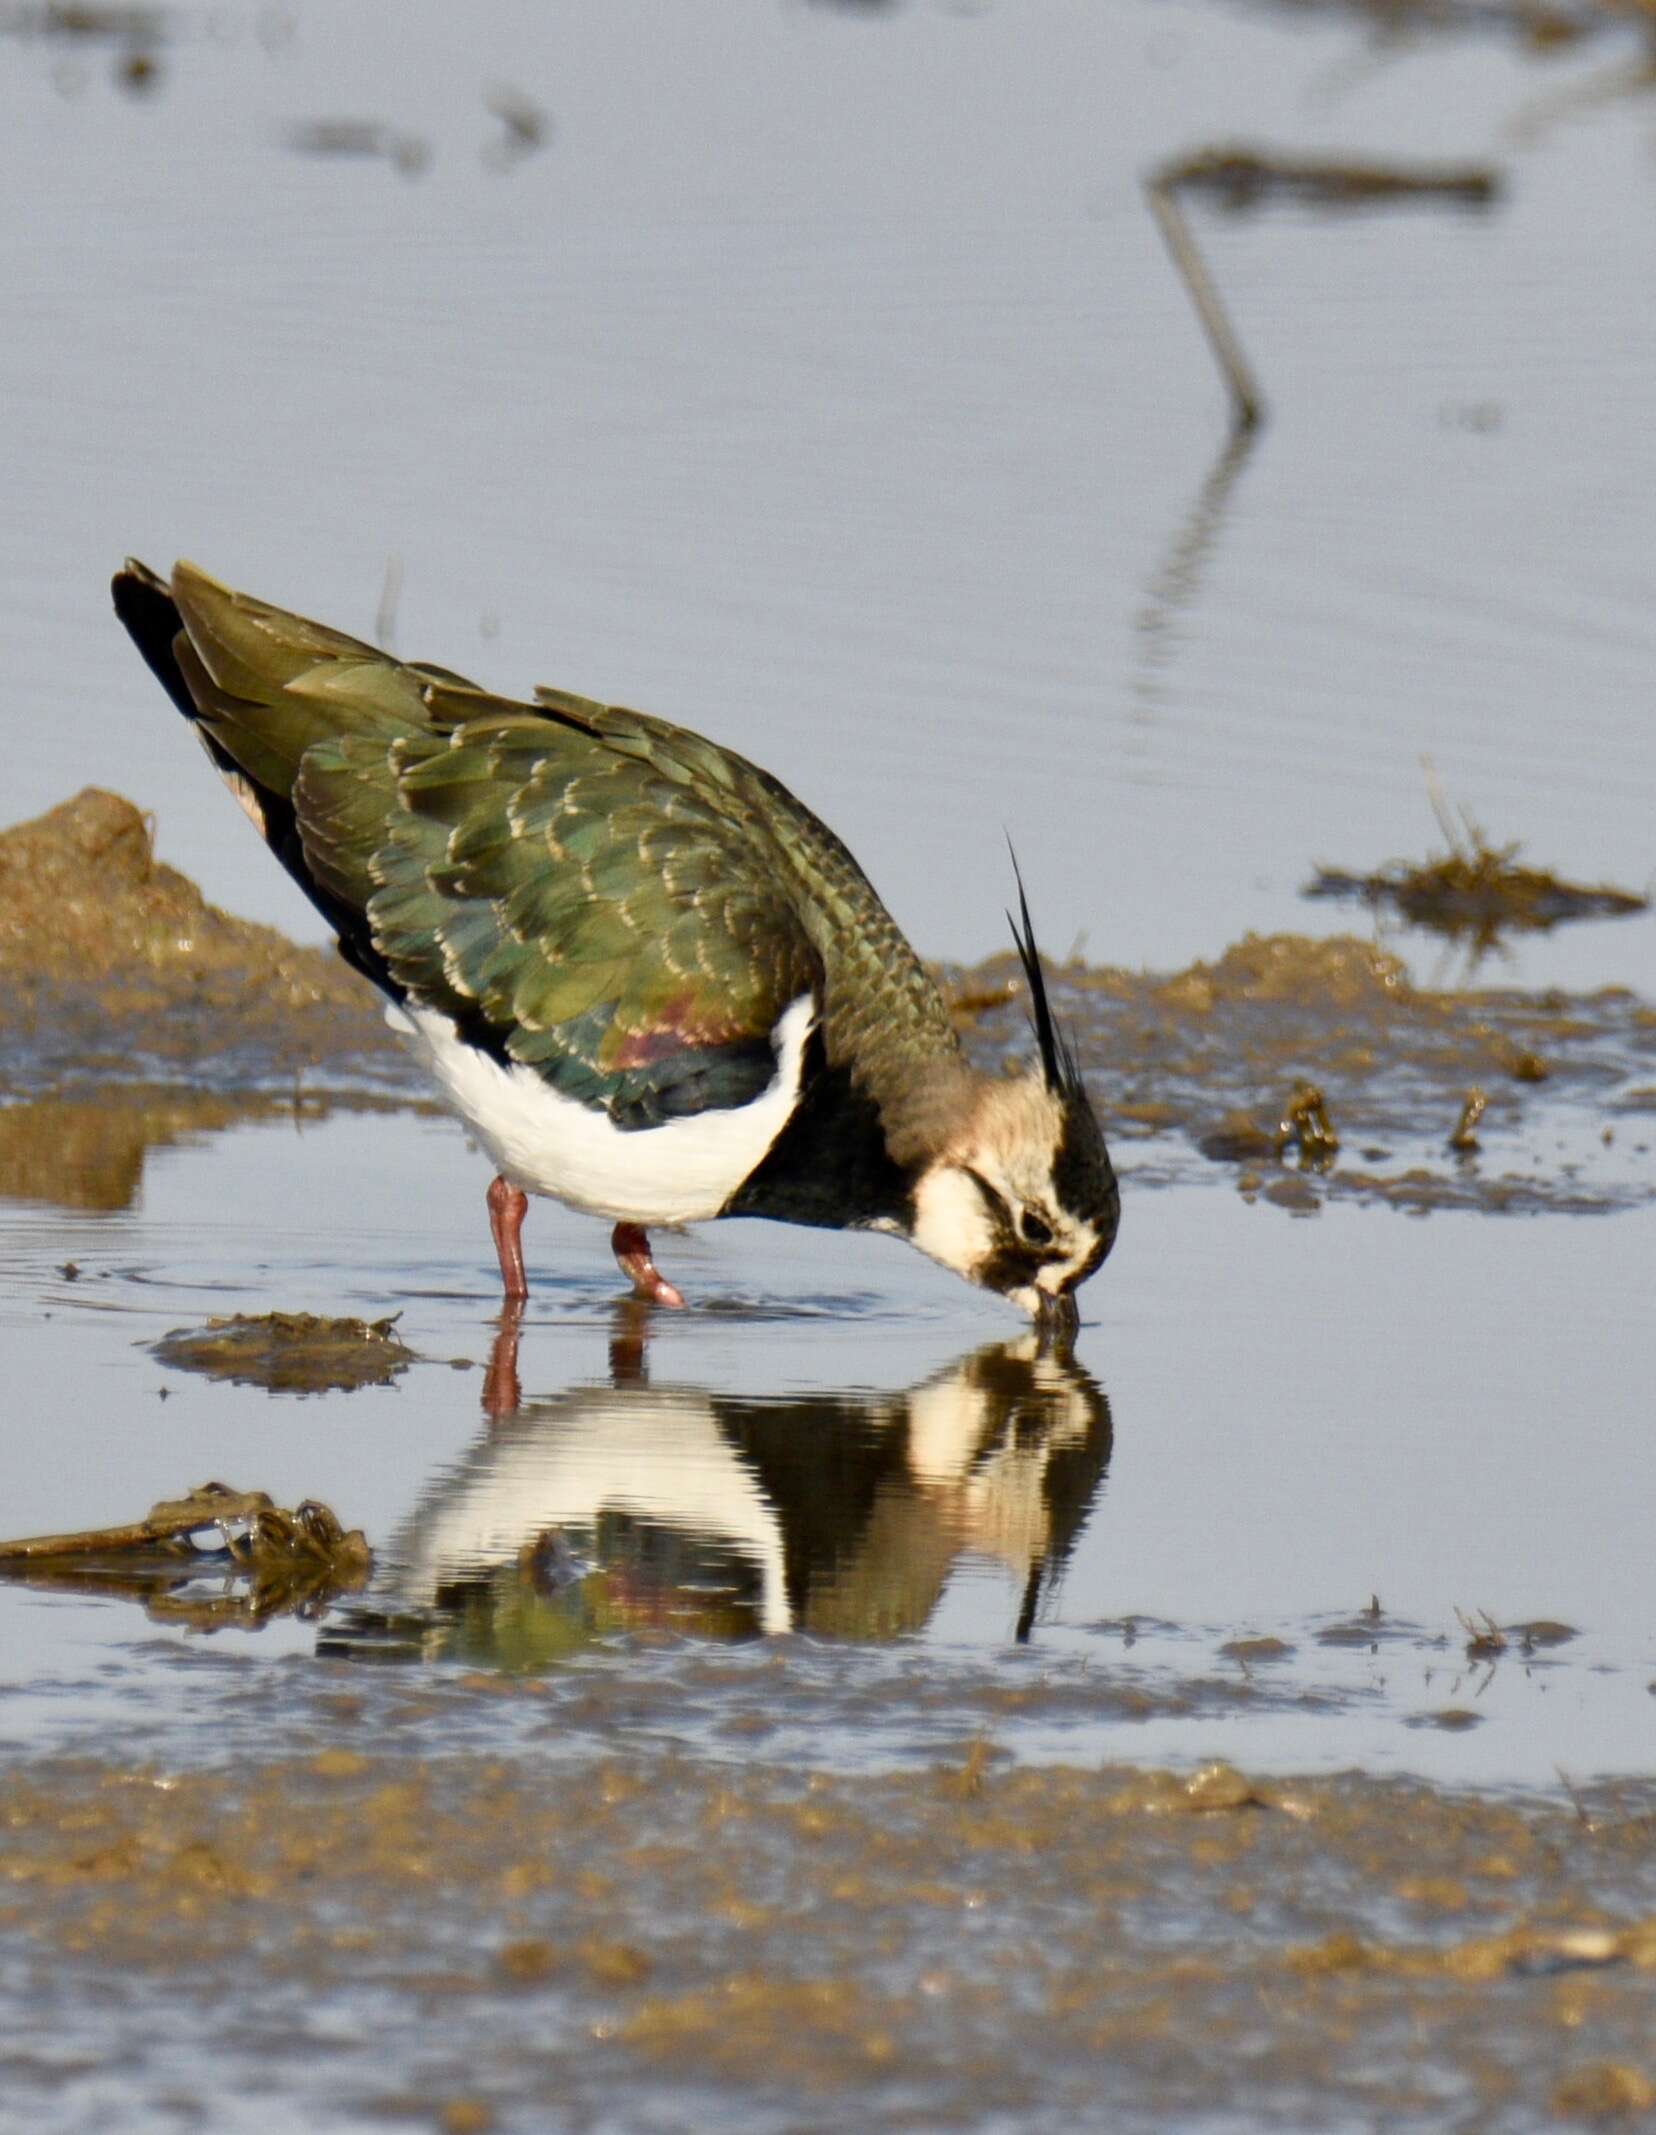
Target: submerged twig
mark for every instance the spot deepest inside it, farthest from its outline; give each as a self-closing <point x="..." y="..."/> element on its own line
<point x="1247" y="403"/>
<point x="1241" y="177"/>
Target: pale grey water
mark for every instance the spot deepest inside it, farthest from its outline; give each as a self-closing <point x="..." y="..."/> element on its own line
<point x="1450" y="1414"/>
<point x="824" y="384"/>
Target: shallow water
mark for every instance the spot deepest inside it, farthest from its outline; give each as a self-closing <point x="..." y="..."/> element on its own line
<point x="1269" y="1423"/>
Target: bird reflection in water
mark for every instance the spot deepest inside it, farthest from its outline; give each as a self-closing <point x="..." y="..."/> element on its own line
<point x="633" y="1507"/>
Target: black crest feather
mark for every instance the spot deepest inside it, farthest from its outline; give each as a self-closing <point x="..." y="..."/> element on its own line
<point x="1058" y="1063"/>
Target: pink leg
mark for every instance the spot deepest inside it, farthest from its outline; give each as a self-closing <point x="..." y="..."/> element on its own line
<point x="631" y="1247"/>
<point x="506" y="1212"/>
<point x="502" y="1390"/>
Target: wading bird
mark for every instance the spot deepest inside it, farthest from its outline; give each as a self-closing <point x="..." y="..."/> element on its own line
<point x="651" y="982"/>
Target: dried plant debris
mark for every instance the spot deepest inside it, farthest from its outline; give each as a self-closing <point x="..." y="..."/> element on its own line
<point x="1240" y="177"/>
<point x="1475" y="892"/>
<point x="1306" y="1126"/>
<point x="1237" y="177"/>
<point x="290" y="1352"/>
<point x="267" y="1561"/>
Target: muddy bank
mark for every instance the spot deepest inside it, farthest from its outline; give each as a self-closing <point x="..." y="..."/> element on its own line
<point x="113" y="968"/>
<point x="953" y="1945"/>
<point x="110" y="962"/>
<point x="1205" y="1068"/>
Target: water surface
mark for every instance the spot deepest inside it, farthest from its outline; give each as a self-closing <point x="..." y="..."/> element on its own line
<point x="824" y="384"/>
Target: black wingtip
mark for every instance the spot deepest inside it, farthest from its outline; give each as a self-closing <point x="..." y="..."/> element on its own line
<point x="150" y="617"/>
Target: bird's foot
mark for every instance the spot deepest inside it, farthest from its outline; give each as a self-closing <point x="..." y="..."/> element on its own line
<point x="631" y="1247"/>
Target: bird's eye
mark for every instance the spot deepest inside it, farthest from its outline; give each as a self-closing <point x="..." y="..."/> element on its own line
<point x="1035" y="1229"/>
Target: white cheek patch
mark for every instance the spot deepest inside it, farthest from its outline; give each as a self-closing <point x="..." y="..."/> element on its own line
<point x="951" y="1224"/>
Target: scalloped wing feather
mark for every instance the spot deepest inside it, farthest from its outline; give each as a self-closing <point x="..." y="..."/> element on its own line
<point x="551" y="874"/>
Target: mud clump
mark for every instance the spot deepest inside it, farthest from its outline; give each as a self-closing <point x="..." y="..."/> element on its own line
<point x="111" y="949"/>
<point x="290" y="1352"/>
<point x="1475" y="892"/>
<point x="83" y="896"/>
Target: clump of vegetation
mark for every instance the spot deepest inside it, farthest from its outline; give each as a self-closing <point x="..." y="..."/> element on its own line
<point x="1306" y="1126"/>
<point x="1475" y="892"/>
<point x="290" y="1352"/>
<point x="270" y="1562"/>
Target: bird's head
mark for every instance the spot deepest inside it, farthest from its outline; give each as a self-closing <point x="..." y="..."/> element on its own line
<point x="1021" y="1196"/>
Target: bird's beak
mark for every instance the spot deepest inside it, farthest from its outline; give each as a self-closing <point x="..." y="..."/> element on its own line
<point x="1057" y="1319"/>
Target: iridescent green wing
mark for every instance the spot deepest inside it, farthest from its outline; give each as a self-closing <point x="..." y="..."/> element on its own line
<point x="583" y="892"/>
<point x="882" y="1014"/>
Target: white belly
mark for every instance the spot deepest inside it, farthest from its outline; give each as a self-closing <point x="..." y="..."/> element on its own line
<point x="681" y="1172"/>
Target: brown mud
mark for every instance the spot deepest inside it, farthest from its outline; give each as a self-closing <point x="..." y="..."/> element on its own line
<point x="290" y="1352"/>
<point x="1213" y="1061"/>
<point x="133" y="1013"/>
<point x="984" y="1945"/>
<point x="108" y="957"/>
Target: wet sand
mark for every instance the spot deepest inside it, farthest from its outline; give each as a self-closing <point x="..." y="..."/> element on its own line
<point x="465" y="1942"/>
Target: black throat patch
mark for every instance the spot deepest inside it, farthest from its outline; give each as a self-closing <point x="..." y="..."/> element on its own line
<point x="829" y="1167"/>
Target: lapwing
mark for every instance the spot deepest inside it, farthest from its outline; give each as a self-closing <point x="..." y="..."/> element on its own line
<point x="650" y="981"/>
<point x="834" y="1514"/>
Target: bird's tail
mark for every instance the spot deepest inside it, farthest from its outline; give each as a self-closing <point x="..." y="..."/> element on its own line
<point x="226" y="661"/>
